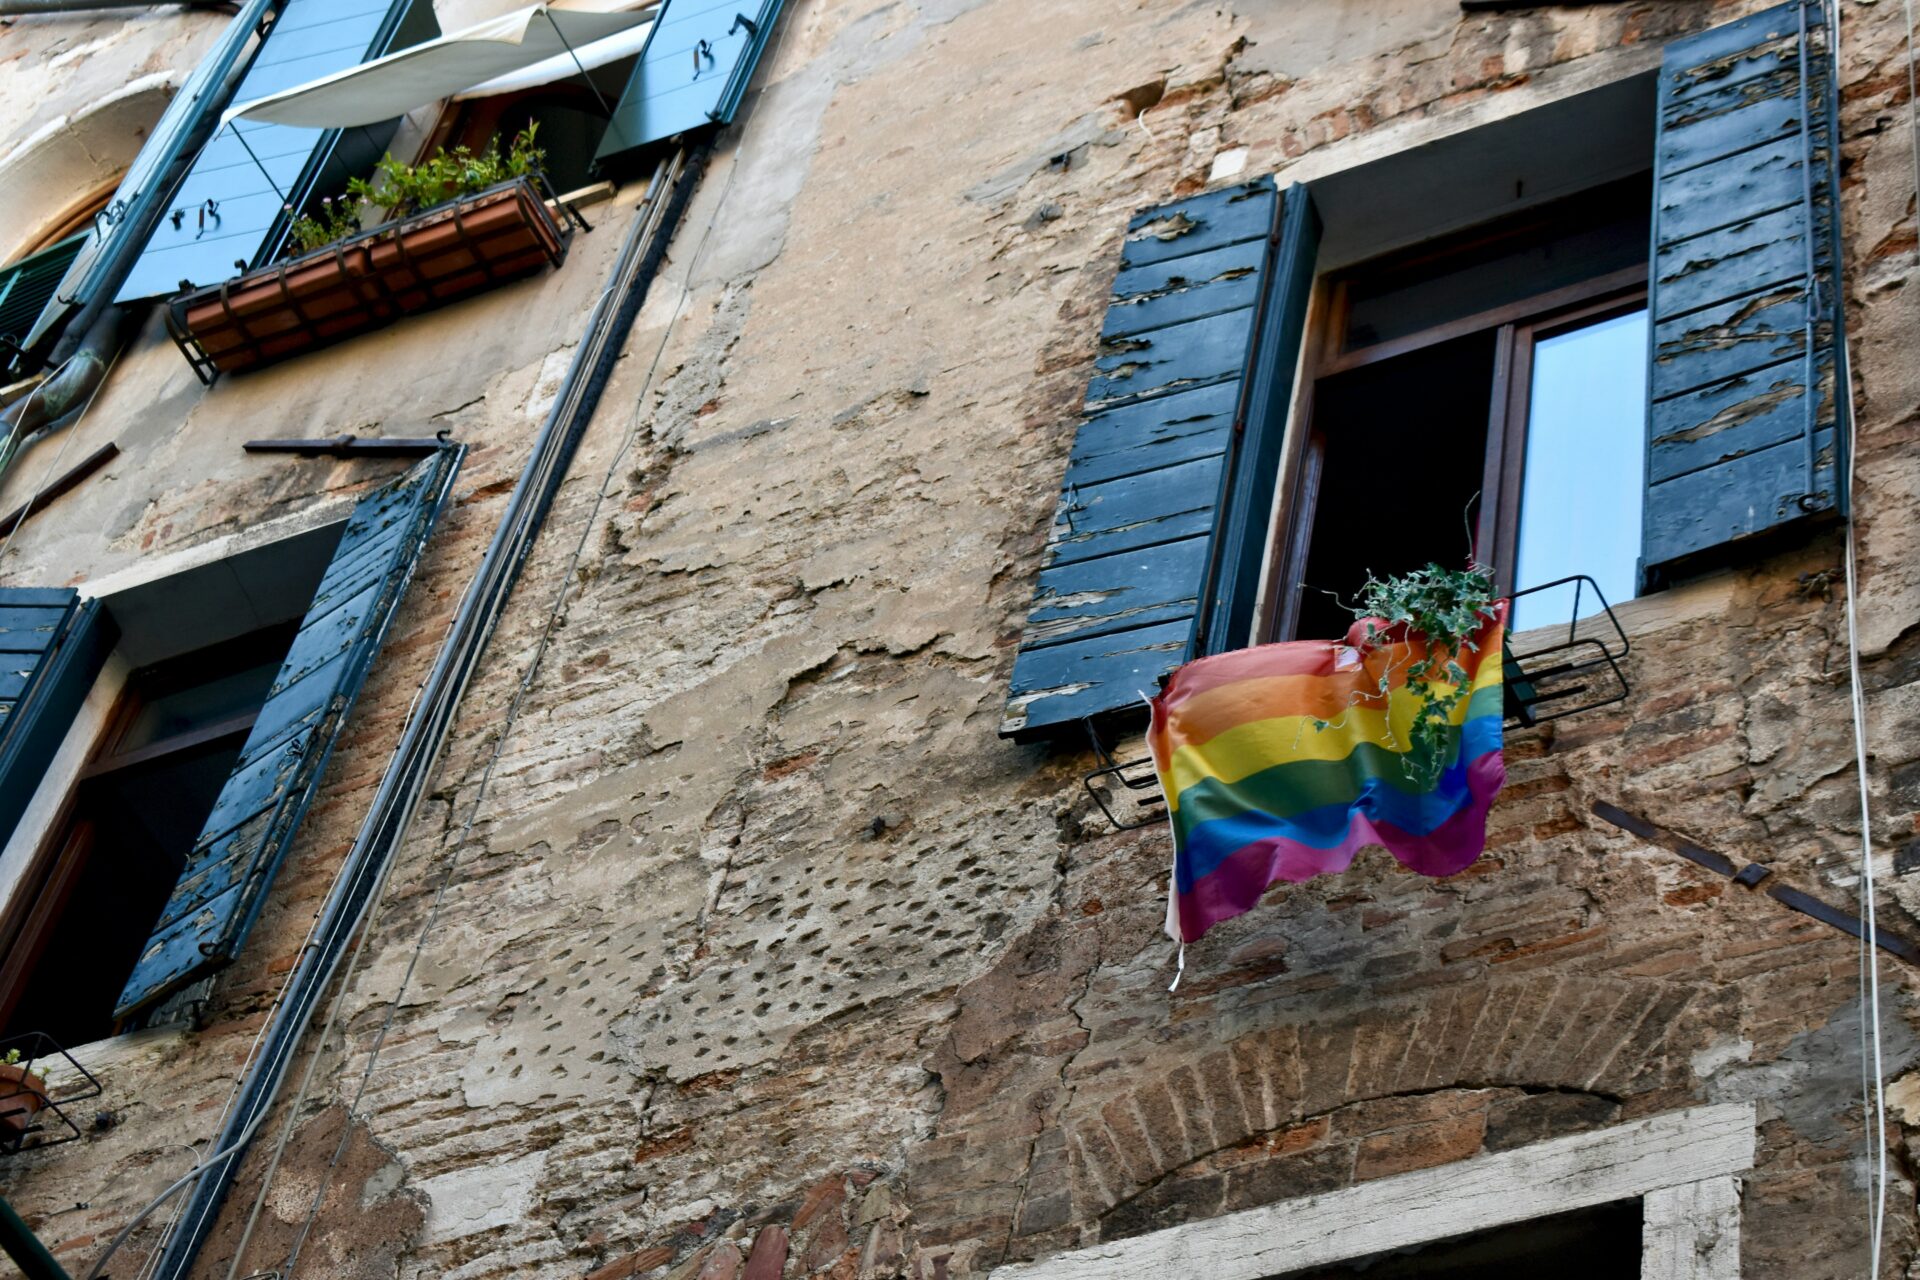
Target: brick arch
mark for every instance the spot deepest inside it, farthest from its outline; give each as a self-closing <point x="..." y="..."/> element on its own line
<point x="1277" y="1092"/>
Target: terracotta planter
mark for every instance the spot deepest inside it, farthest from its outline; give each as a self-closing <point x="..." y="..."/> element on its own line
<point x="22" y="1096"/>
<point x="449" y="252"/>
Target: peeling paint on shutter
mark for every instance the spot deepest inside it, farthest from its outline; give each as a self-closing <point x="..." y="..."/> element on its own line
<point x="1744" y="288"/>
<point x="52" y="646"/>
<point x="250" y="170"/>
<point x="1129" y="559"/>
<point x="693" y="71"/>
<point x="247" y="836"/>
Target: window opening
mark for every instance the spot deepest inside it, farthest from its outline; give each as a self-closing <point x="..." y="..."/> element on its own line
<point x="1601" y="1243"/>
<point x="117" y="850"/>
<point x="1423" y="413"/>
<point x="570" y="117"/>
<point x="1423" y="410"/>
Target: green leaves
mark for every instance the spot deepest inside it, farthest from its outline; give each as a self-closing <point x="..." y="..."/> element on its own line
<point x="405" y="189"/>
<point x="1446" y="608"/>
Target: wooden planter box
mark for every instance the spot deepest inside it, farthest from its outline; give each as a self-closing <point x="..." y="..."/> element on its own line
<point x="448" y="252"/>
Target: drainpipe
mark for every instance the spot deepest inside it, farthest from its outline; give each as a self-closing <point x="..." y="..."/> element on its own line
<point x="25" y="1249"/>
<point x="57" y="403"/>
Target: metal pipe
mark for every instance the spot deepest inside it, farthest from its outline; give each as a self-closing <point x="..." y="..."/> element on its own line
<point x="25" y="1249"/>
<point x="411" y="769"/>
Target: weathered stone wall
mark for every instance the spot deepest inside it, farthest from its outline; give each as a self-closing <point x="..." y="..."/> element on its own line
<point x="764" y="947"/>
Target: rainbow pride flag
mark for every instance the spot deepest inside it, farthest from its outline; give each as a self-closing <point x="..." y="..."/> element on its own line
<point x="1257" y="792"/>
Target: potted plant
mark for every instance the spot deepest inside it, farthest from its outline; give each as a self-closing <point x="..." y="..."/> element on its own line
<point x="1433" y="616"/>
<point x="23" y="1094"/>
<point x="453" y="225"/>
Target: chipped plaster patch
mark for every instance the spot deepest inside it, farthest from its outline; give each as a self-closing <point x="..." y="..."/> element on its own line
<point x="1227" y="164"/>
<point x="465" y="1202"/>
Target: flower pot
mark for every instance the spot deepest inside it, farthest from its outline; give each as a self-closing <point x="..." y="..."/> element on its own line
<point x="448" y="252"/>
<point x="22" y="1096"/>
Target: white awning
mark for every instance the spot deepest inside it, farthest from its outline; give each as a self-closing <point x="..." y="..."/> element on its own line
<point x="455" y="63"/>
<point x="591" y="57"/>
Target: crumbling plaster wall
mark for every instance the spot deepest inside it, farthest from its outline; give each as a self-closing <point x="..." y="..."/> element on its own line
<point x="77" y="93"/>
<point x="764" y="947"/>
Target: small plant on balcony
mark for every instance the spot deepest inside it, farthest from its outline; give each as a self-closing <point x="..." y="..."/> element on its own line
<point x="1447" y="608"/>
<point x="401" y="190"/>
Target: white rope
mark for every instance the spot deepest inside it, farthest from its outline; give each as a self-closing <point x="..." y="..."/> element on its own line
<point x="1874" y="1099"/>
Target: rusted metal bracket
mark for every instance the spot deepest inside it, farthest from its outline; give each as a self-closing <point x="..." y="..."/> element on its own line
<point x="60" y="484"/>
<point x="350" y="446"/>
<point x="1136" y="776"/>
<point x="1751" y="875"/>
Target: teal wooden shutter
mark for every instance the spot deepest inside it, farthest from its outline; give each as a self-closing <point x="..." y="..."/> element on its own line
<point x="229" y="213"/>
<point x="27" y="286"/>
<point x="1177" y="450"/>
<point x="52" y="646"/>
<point x="1745" y="432"/>
<point x="692" y="72"/>
<point x="247" y="836"/>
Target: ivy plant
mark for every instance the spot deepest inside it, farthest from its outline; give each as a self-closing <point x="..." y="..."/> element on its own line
<point x="400" y="190"/>
<point x="1446" y="608"/>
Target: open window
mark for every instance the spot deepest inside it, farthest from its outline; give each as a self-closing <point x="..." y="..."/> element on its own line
<point x="1485" y="394"/>
<point x="1431" y="356"/>
<point x="153" y="792"/>
<point x="105" y="870"/>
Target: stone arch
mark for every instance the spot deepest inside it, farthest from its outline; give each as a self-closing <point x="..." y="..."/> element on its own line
<point x="1243" y="1123"/>
<point x="68" y="164"/>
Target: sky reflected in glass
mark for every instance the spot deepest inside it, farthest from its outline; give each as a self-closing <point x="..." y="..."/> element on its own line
<point x="1581" y="495"/>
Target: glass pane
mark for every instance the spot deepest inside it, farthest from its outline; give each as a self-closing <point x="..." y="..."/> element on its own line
<point x="1586" y="440"/>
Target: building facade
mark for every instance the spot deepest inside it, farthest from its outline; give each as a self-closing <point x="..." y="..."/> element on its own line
<point x="688" y="865"/>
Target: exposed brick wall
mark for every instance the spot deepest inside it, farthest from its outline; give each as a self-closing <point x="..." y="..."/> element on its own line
<point x="765" y="957"/>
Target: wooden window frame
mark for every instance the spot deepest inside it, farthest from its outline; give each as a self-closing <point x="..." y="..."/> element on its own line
<point x="1683" y="1166"/>
<point x="29" y="916"/>
<point x="1516" y="327"/>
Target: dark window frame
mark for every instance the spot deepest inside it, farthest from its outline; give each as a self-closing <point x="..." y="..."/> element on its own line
<point x="1516" y="325"/>
<point x="32" y="914"/>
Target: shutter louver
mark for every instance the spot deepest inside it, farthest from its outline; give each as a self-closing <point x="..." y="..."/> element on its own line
<point x="52" y="646"/>
<point x="1128" y="561"/>
<point x="1744" y="303"/>
<point x="250" y="171"/>
<point x="245" y="839"/>
<point x="692" y="72"/>
<point x="27" y="286"/>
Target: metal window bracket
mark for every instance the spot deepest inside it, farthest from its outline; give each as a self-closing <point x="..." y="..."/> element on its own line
<point x="1562" y="673"/>
<point x="49" y="1119"/>
<point x="352" y="446"/>
<point x="1113" y="778"/>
